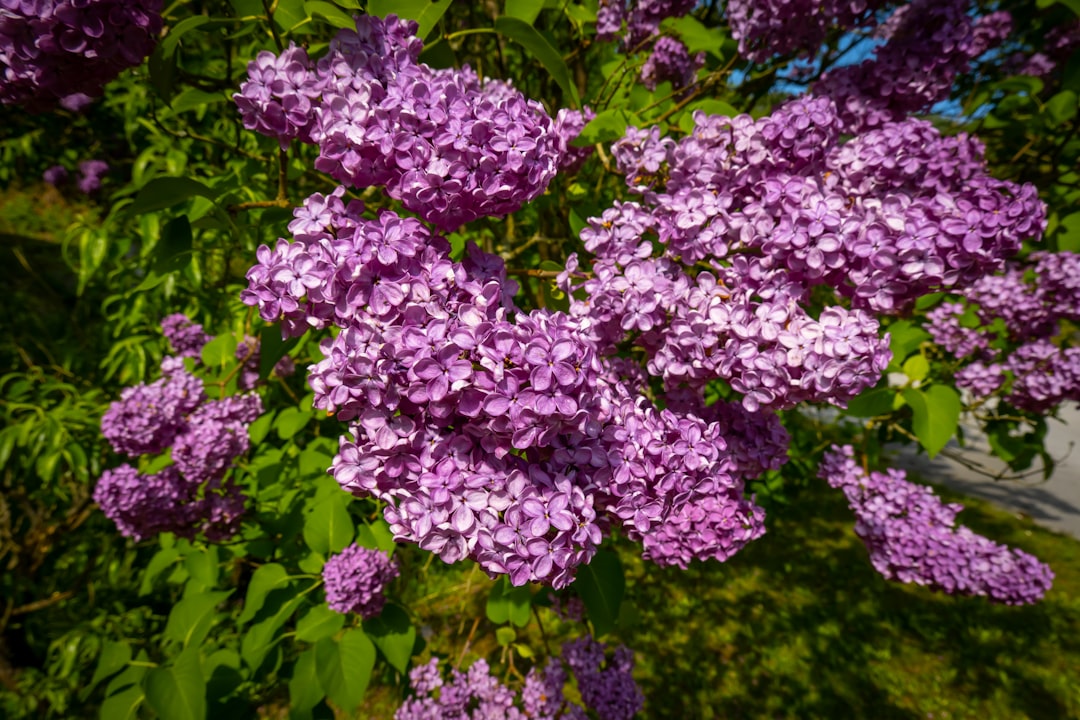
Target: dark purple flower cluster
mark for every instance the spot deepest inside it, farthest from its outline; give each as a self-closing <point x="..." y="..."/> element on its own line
<point x="1025" y="308"/>
<point x="568" y="125"/>
<point x="885" y="217"/>
<point x="670" y="61"/>
<point x="90" y="174"/>
<point x="55" y="175"/>
<point x="186" y="338"/>
<point x="356" y="580"/>
<point x="912" y="537"/>
<point x="449" y="146"/>
<point x="205" y="436"/>
<point x="780" y="27"/>
<point x="606" y="686"/>
<point x="927" y="44"/>
<point x="62" y="51"/>
<point x="606" y="683"/>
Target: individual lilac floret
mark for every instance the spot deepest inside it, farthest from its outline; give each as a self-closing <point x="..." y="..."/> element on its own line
<point x="185" y="336"/>
<point x="90" y="174"/>
<point x="356" y="580"/>
<point x="606" y="684"/>
<point x="61" y="52"/>
<point x="147" y="418"/>
<point x="912" y="537"/>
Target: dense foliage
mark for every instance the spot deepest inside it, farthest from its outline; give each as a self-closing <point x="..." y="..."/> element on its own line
<point x="541" y="289"/>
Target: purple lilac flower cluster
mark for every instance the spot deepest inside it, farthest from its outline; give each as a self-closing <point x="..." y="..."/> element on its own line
<point x="780" y="27"/>
<point x="670" y="61"/>
<point x="508" y="441"/>
<point x="927" y="44"/>
<point x="912" y="537"/>
<point x="356" y="580"/>
<point x="449" y="146"/>
<point x="1029" y="303"/>
<point x="205" y="436"/>
<point x="91" y="173"/>
<point x="568" y="125"/>
<point x="885" y="217"/>
<point x="606" y="685"/>
<point x="63" y="51"/>
<point x="1057" y="46"/>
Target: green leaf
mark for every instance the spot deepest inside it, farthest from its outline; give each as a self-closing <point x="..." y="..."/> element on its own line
<point x="288" y="14"/>
<point x="394" y="634"/>
<point x="114" y="657"/>
<point x="178" y="692"/>
<point x="161" y="560"/>
<point x="272" y="348"/>
<point x="1061" y="108"/>
<point x="193" y="98"/>
<point x="425" y="12"/>
<point x="331" y="13"/>
<point x="259" y="429"/>
<point x="344" y="667"/>
<point x="936" y="415"/>
<point x="601" y="585"/>
<point x="164" y="192"/>
<point x="697" y="37"/>
<point x="905" y="338"/>
<point x="290" y="421"/>
<point x="328" y="527"/>
<point x="542" y="50"/>
<point x="507" y="603"/>
<point x="123" y="705"/>
<point x="304" y="689"/>
<point x="173" y="251"/>
<point x="259" y="640"/>
<point x="319" y="622"/>
<point x="267" y="578"/>
<point x="1068" y="234"/>
<point x="606" y="127"/>
<point x="190" y="619"/>
<point x="505" y="635"/>
<point x="172" y="39"/>
<point x="524" y="10"/>
<point x="93" y="246"/>
<point x="376" y="535"/>
<point x="872" y="403"/>
<point x="219" y="351"/>
<point x="916" y="367"/>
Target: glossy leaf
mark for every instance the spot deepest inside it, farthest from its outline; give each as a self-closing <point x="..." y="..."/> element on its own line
<point x="393" y="634"/>
<point x="267" y="578"/>
<point x="319" y="622"/>
<point x="935" y="415"/>
<point x="541" y="49"/>
<point x="344" y="667"/>
<point x="601" y="585"/>
<point x="178" y="692"/>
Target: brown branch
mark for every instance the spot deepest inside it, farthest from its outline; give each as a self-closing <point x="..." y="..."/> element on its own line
<point x="43" y="603"/>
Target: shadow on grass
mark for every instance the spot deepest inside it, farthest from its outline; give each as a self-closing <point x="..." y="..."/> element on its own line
<point x="800" y="625"/>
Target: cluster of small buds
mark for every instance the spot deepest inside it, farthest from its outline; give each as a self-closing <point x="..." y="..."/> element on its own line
<point x="356" y="580"/>
<point x="606" y="685"/>
<point x="782" y="27"/>
<point x="206" y="437"/>
<point x="927" y="44"/>
<point x="450" y="146"/>
<point x="670" y="61"/>
<point x="1021" y="311"/>
<point x="61" y="52"/>
<point x="912" y="537"/>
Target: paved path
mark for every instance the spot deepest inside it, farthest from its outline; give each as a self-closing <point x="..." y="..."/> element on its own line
<point x="1054" y="503"/>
